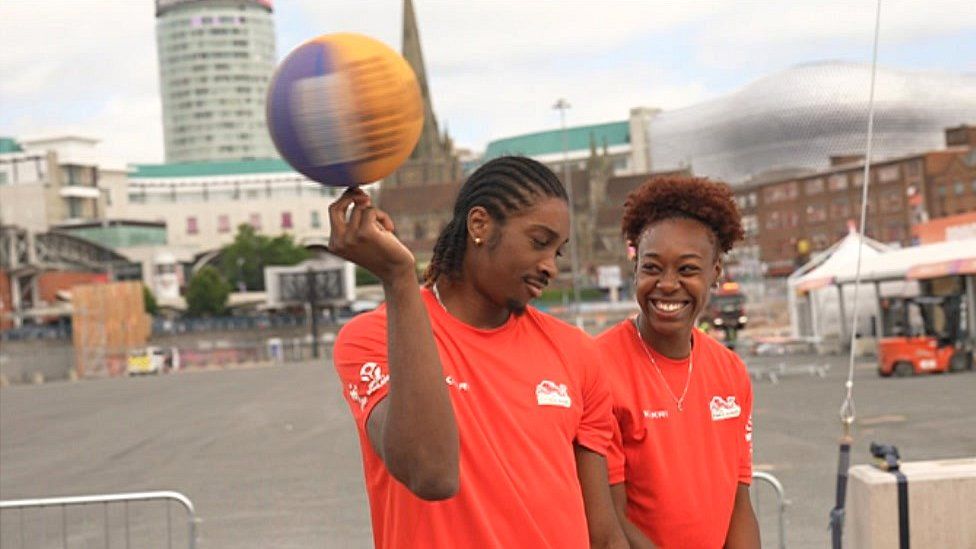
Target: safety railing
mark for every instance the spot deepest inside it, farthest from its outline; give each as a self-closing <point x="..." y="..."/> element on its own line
<point x="781" y="503"/>
<point x="22" y="505"/>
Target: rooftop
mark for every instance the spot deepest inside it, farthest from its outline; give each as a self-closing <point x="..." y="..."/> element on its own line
<point x="551" y="141"/>
<point x="214" y="168"/>
<point x="9" y="145"/>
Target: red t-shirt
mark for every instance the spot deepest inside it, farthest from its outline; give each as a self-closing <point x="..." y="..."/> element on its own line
<point x="681" y="469"/>
<point x="522" y="393"/>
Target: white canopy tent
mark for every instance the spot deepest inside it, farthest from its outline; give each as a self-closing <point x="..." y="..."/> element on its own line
<point x="888" y="272"/>
<point x="814" y="300"/>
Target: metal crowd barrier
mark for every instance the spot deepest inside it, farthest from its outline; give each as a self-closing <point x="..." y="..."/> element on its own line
<point x="106" y="500"/>
<point x="781" y="503"/>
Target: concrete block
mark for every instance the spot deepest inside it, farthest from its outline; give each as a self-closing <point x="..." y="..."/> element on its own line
<point x="941" y="505"/>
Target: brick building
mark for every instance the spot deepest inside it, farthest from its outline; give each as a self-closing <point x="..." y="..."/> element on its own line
<point x="788" y="218"/>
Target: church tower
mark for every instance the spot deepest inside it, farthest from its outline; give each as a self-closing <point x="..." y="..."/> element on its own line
<point x="420" y="194"/>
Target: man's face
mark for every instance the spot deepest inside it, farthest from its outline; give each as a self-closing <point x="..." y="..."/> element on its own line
<point x="676" y="265"/>
<point x="520" y="256"/>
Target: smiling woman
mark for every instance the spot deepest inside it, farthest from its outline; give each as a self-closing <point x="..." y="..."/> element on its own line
<point x="682" y="402"/>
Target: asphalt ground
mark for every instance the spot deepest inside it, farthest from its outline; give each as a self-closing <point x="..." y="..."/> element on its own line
<point x="270" y="458"/>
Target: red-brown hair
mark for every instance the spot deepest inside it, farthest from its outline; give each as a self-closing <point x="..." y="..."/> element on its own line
<point x="668" y="197"/>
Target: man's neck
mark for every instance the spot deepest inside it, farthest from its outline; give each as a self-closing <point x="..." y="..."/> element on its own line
<point x="463" y="301"/>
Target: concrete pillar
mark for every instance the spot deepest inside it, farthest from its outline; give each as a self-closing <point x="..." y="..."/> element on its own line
<point x="940" y="505"/>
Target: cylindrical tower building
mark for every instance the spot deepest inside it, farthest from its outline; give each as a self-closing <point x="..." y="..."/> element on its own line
<point x="215" y="60"/>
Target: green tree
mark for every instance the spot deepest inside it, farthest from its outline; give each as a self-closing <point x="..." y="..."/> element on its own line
<point x="149" y="301"/>
<point x="246" y="257"/>
<point x="207" y="293"/>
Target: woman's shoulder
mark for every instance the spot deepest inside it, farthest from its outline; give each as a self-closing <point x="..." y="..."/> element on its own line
<point x="719" y="354"/>
<point x="612" y="336"/>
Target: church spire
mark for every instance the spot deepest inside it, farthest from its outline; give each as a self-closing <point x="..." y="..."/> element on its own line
<point x="427" y="145"/>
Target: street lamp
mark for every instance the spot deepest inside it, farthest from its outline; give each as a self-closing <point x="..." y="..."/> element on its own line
<point x="561" y="105"/>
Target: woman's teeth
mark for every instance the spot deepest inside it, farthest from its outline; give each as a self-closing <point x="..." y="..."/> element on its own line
<point x="668" y="306"/>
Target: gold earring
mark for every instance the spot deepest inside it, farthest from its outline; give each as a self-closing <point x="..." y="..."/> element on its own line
<point x="477" y="241"/>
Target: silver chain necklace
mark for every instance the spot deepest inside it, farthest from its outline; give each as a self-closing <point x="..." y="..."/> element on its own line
<point x="679" y="402"/>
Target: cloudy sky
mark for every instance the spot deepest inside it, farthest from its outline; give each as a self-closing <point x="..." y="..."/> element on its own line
<point x="495" y="67"/>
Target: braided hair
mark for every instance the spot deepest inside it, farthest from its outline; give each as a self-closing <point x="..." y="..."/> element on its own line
<point x="503" y="186"/>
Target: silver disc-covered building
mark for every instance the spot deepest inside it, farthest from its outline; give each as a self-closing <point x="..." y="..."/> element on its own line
<point x="803" y="115"/>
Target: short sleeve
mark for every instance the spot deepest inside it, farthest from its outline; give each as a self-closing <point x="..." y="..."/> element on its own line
<point x="360" y="358"/>
<point x="616" y="460"/>
<point x="596" y="425"/>
<point x="745" y="443"/>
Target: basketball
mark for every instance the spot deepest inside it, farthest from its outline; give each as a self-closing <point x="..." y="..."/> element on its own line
<point x="344" y="109"/>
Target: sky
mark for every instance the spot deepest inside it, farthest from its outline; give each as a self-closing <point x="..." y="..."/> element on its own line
<point x="495" y="68"/>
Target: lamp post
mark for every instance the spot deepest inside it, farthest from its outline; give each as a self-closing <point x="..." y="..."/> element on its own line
<point x="561" y="105"/>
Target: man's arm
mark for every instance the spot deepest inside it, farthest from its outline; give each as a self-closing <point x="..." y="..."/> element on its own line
<point x="412" y="429"/>
<point x="743" y="528"/>
<point x="605" y="532"/>
<point x="635" y="537"/>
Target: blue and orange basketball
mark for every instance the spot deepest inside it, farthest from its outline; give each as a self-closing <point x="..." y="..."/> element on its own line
<point x="344" y="109"/>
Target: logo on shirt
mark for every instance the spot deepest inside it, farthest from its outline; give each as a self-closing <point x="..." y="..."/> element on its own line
<point x="372" y="375"/>
<point x="548" y="393"/>
<point x="459" y="385"/>
<point x="655" y="414"/>
<point x="356" y="397"/>
<point x="724" y="408"/>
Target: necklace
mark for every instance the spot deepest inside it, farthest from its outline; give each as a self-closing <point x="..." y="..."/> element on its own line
<point x="679" y="402"/>
<point x="437" y="295"/>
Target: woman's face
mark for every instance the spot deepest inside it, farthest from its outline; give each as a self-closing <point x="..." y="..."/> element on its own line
<point x="677" y="263"/>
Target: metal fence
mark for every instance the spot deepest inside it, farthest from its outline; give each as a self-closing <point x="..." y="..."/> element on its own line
<point x="32" y="525"/>
<point x="778" y="519"/>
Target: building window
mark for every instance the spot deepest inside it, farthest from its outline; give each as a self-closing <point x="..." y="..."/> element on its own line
<point x="891" y="201"/>
<point x="813" y="186"/>
<point x="773" y="221"/>
<point x="781" y="192"/>
<point x="316" y="220"/>
<point x="191" y="225"/>
<point x="750" y="225"/>
<point x="255" y="221"/>
<point x="857" y="179"/>
<point x="820" y="241"/>
<point x="914" y="168"/>
<point x="888" y="174"/>
<point x="816" y="213"/>
<point x="74" y="208"/>
<point x="419" y="231"/>
<point x="223" y="223"/>
<point x="286" y="220"/>
<point x="837" y="182"/>
<point x="840" y="208"/>
<point x="958" y="187"/>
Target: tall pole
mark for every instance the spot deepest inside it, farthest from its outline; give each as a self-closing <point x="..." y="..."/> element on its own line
<point x="561" y="105"/>
<point x="313" y="310"/>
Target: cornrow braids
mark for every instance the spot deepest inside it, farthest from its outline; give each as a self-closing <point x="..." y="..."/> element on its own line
<point x="503" y="186"/>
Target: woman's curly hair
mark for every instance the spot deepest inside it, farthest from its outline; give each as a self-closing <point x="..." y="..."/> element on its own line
<point x="674" y="196"/>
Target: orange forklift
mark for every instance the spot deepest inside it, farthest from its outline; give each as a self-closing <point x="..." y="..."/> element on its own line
<point x="927" y="333"/>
